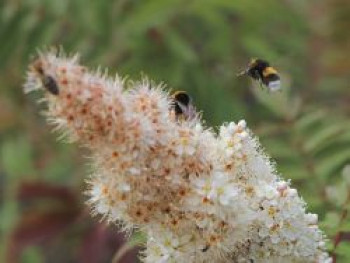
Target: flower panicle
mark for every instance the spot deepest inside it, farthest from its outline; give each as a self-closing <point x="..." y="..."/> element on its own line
<point x="199" y="196"/>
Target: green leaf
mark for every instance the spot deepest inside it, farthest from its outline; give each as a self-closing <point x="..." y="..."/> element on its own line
<point x="324" y="136"/>
<point x="138" y="238"/>
<point x="32" y="254"/>
<point x="281" y="104"/>
<point x="338" y="194"/>
<point x="308" y="120"/>
<point x="150" y="14"/>
<point x="10" y="35"/>
<point x="331" y="222"/>
<point x="16" y="157"/>
<point x="327" y="165"/>
<point x="343" y="249"/>
<point x="8" y="215"/>
<point x="346" y="174"/>
<point x="280" y="149"/>
<point x="179" y="47"/>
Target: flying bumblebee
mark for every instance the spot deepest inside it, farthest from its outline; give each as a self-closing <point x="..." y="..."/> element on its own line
<point x="47" y="81"/>
<point x="182" y="105"/>
<point x="261" y="71"/>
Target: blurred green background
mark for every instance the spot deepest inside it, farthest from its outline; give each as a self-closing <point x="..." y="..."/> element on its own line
<point x="193" y="45"/>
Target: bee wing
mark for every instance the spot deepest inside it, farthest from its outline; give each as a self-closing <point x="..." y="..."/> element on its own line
<point x="274" y="85"/>
<point x="189" y="111"/>
<point x="181" y="106"/>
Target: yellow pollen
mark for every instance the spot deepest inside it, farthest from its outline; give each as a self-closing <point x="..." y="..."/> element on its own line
<point x="230" y="143"/>
<point x="206" y="188"/>
<point x="184" y="141"/>
<point x="167" y="243"/>
<point x="271" y="211"/>
<point x="220" y="190"/>
<point x="274" y="229"/>
<point x="249" y="190"/>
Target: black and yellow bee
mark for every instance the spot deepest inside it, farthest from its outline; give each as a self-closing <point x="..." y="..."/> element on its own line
<point x="261" y="71"/>
<point x="47" y="81"/>
<point x="182" y="105"/>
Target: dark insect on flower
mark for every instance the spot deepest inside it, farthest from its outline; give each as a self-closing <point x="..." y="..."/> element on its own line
<point x="47" y="81"/>
<point x="183" y="106"/>
<point x="205" y="249"/>
<point x="261" y="71"/>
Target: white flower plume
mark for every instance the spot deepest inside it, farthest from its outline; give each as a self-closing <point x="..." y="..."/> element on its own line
<point x="199" y="196"/>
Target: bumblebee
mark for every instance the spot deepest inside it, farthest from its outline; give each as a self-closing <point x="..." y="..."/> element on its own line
<point x="182" y="105"/>
<point x="47" y="81"/>
<point x="261" y="71"/>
